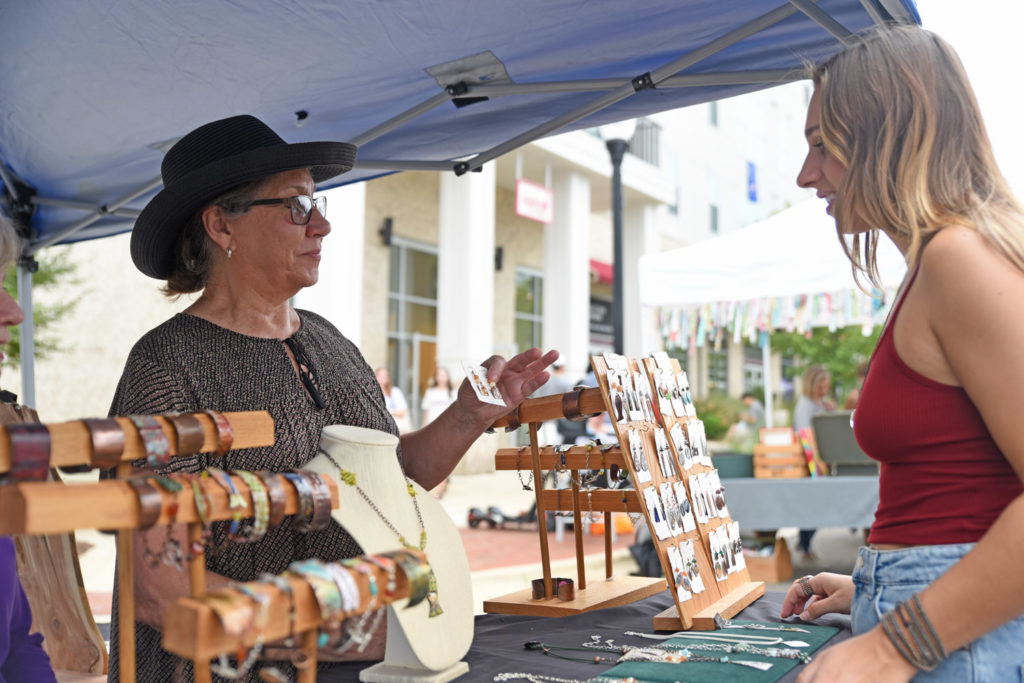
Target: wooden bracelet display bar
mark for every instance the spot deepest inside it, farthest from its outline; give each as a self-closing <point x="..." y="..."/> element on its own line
<point x="193" y="630"/>
<point x="598" y="500"/>
<point x="42" y="508"/>
<point x="576" y="458"/>
<point x="71" y="442"/>
<point x="547" y="408"/>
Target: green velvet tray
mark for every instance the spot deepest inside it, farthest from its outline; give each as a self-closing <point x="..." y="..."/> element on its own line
<point x="708" y="672"/>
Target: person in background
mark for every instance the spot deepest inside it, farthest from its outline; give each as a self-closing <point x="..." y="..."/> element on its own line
<point x="746" y="432"/>
<point x="439" y="395"/>
<point x="22" y="657"/>
<point x="239" y="224"/>
<point x="559" y="431"/>
<point x="898" y="149"/>
<point x="851" y="399"/>
<point x="817" y="385"/>
<point x="395" y="401"/>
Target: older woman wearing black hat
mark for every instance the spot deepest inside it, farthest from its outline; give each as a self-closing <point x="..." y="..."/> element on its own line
<point x="238" y="221"/>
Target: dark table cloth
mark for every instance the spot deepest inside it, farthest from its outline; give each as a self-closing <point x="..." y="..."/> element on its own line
<point x="498" y="639"/>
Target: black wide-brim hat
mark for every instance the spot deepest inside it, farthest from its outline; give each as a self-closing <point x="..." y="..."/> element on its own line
<point x="211" y="160"/>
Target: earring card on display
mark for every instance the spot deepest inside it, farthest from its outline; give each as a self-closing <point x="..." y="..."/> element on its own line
<point x="657" y="473"/>
<point x="717" y="533"/>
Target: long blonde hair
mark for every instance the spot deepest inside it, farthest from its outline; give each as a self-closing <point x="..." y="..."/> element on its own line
<point x="898" y="111"/>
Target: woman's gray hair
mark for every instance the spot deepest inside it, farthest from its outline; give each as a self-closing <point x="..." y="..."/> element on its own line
<point x="10" y="243"/>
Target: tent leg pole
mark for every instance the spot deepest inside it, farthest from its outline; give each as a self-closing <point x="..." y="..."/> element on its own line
<point x="28" y="341"/>
<point x="769" y="403"/>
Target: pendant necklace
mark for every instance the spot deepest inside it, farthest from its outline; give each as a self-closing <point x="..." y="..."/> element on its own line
<point x="350" y="478"/>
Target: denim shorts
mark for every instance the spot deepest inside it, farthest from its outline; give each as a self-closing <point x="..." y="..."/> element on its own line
<point x="884" y="578"/>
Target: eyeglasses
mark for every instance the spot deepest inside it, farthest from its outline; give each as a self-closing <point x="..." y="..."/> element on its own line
<point x="301" y="206"/>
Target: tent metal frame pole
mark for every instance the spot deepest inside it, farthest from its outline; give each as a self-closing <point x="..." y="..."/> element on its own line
<point x="84" y="206"/>
<point x="406" y="115"/>
<point x="600" y="84"/>
<point x="27" y="338"/>
<point x="769" y="384"/>
<point x="872" y="10"/>
<point x="9" y="186"/>
<point x="825" y="20"/>
<point x="100" y="212"/>
<point x="399" y="165"/>
<point x="641" y="82"/>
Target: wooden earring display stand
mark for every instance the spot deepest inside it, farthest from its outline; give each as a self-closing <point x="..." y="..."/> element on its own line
<point x="39" y="508"/>
<point x="614" y="590"/>
<point x="725" y="598"/>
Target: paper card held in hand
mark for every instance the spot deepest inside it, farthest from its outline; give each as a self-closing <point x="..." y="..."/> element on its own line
<point x="486" y="390"/>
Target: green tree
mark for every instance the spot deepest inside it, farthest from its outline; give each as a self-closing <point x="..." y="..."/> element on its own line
<point x="840" y="352"/>
<point x="55" y="270"/>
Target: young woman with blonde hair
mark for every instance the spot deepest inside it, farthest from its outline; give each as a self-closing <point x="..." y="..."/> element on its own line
<point x="898" y="149"/>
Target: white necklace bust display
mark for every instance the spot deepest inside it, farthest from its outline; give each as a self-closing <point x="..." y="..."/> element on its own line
<point x="419" y="647"/>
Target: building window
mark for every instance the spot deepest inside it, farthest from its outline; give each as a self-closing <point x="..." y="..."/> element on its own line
<point x="529" y="308"/>
<point x="412" y="307"/>
<point x="713" y="219"/>
<point x="718" y="371"/>
<point x="753" y="367"/>
<point x="713" y="113"/>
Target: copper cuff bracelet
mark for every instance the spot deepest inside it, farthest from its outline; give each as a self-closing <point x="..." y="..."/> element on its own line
<point x="571" y="405"/>
<point x="151" y="502"/>
<point x="189" y="432"/>
<point x="107" y="442"/>
<point x="563" y="589"/>
<point x="225" y="435"/>
<point x="277" y="494"/>
<point x="30" y="452"/>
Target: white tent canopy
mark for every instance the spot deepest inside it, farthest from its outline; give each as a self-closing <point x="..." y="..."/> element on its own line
<point x="795" y="252"/>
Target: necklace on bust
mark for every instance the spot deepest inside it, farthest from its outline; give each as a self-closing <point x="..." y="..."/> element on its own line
<point x="349" y="478"/>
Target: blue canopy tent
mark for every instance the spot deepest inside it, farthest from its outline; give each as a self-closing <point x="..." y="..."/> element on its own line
<point x="92" y="93"/>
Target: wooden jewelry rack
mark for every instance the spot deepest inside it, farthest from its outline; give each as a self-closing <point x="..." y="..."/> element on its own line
<point x="39" y="508"/>
<point x="193" y="630"/>
<point x="725" y="598"/>
<point x="611" y="592"/>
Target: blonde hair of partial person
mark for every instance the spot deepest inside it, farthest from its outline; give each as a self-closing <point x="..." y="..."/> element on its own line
<point x="812" y="375"/>
<point x="10" y="243"/>
<point x="898" y="111"/>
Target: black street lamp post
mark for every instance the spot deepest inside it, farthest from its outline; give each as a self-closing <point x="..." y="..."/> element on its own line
<point x="617" y="148"/>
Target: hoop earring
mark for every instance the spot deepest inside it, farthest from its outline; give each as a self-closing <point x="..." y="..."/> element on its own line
<point x="229" y="253"/>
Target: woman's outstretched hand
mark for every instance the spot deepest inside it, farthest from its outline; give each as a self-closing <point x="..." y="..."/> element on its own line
<point x="517" y="378"/>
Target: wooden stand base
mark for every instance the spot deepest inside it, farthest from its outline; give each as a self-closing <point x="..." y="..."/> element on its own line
<point x="728" y="606"/>
<point x="389" y="673"/>
<point x="614" y="592"/>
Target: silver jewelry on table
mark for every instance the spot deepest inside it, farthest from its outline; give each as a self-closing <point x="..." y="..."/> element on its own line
<point x="533" y="678"/>
<point x="723" y="637"/>
<point x="722" y="622"/>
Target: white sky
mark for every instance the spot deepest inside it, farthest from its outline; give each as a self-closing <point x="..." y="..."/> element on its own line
<point x="987" y="35"/>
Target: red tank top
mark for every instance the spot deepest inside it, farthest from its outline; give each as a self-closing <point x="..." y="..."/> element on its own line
<point x="943" y="479"/>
